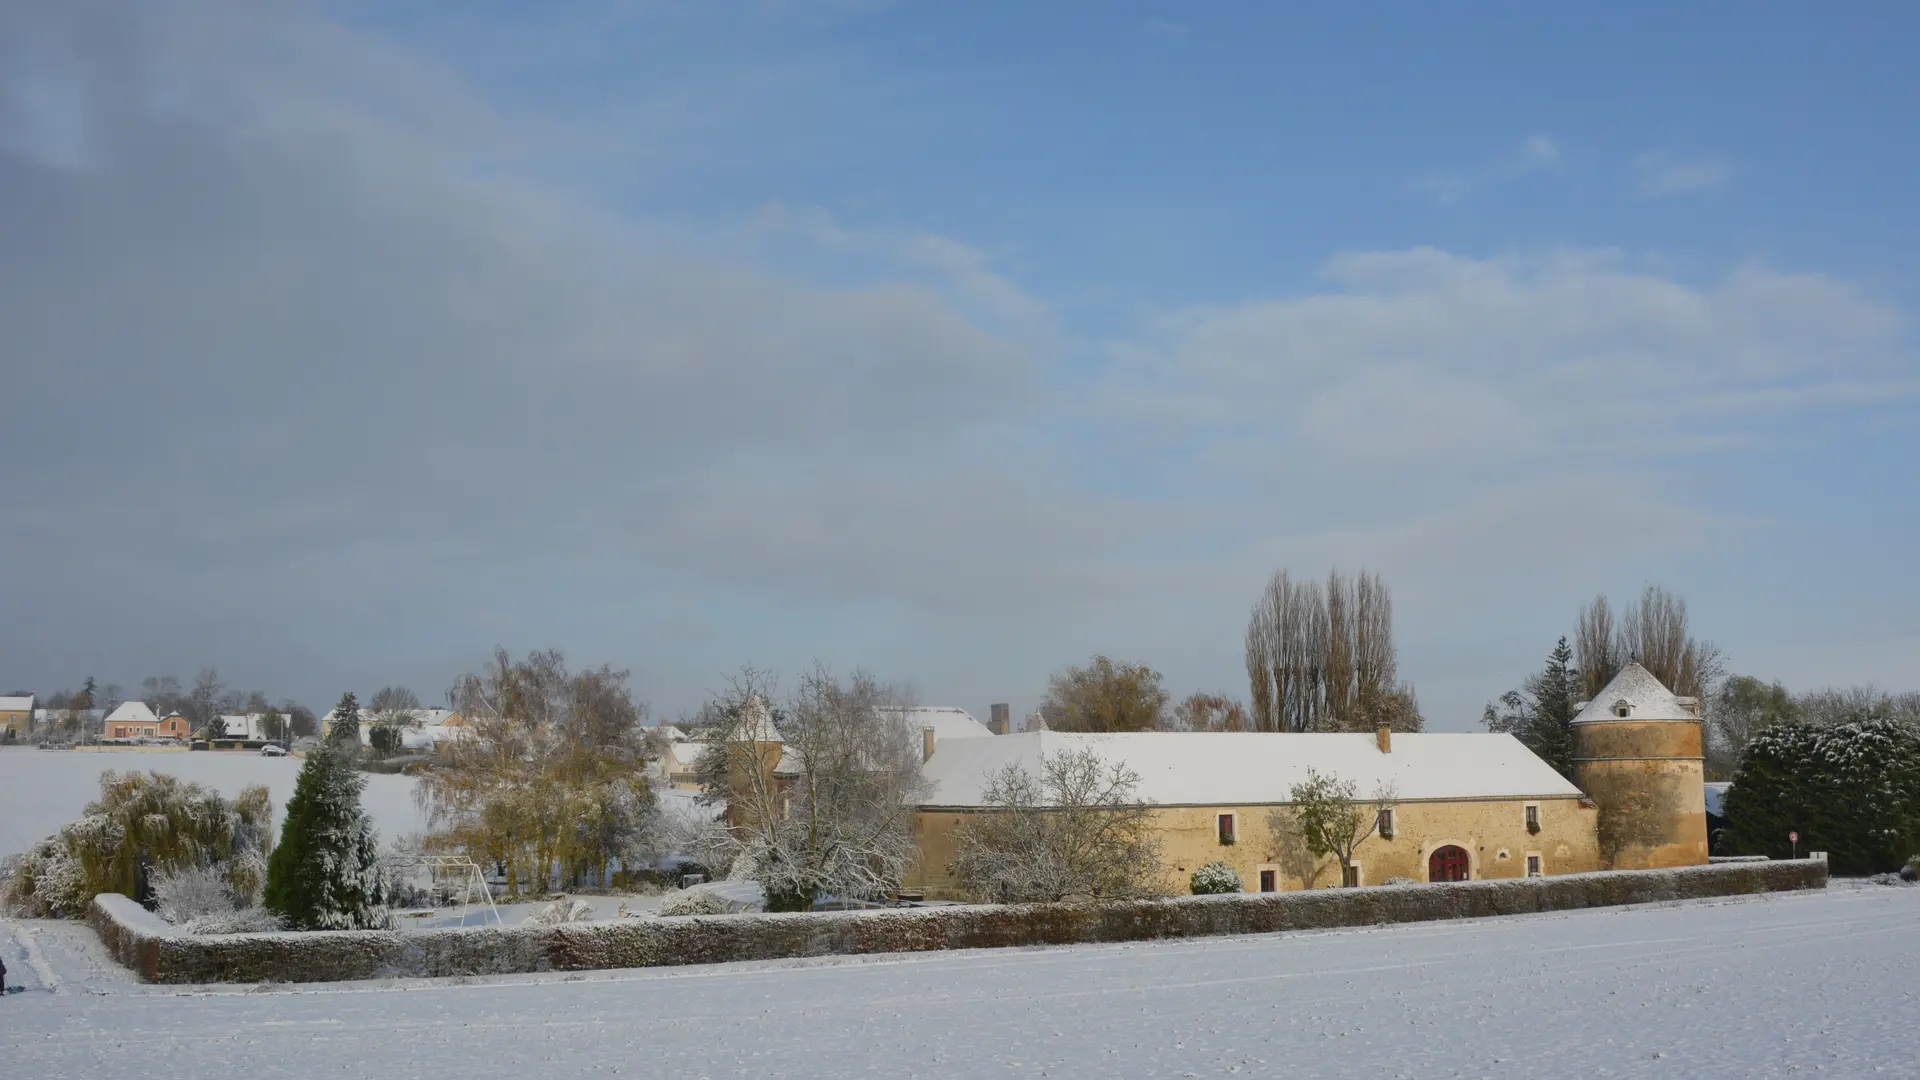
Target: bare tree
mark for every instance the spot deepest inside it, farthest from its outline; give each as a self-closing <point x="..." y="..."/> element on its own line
<point x="163" y="695"/>
<point x="395" y="709"/>
<point x="1324" y="659"/>
<point x="300" y="719"/>
<point x="1076" y="830"/>
<point x="203" y="702"/>
<point x="1333" y="821"/>
<point x="1593" y="647"/>
<point x="819" y="791"/>
<point x="1653" y="632"/>
<point x="1105" y="696"/>
<point x="1832" y="706"/>
<point x="1209" y="712"/>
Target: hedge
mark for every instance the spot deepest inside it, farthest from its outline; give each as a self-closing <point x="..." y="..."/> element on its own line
<point x="138" y="940"/>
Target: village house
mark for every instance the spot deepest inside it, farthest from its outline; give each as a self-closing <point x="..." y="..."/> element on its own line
<point x="677" y="767"/>
<point x="134" y="720"/>
<point x="67" y="720"/>
<point x="422" y="730"/>
<point x="16" y="716"/>
<point x="1466" y="806"/>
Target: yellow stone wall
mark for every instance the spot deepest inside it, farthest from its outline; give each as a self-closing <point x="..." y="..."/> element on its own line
<point x="1493" y="833"/>
<point x="1647" y="776"/>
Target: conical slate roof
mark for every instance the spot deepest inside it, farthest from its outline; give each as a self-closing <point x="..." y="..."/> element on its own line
<point x="1645" y="698"/>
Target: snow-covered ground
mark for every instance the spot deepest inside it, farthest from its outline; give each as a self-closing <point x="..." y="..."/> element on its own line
<point x="1796" y="984"/>
<point x="41" y="790"/>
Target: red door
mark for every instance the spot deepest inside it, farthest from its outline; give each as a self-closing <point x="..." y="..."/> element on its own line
<point x="1448" y="864"/>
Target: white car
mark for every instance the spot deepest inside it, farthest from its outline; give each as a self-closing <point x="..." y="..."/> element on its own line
<point x="273" y="750"/>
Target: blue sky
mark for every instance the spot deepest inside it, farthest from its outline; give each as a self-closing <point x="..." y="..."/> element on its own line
<point x="955" y="341"/>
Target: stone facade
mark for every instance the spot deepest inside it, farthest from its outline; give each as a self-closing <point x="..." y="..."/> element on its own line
<point x="1638" y="753"/>
<point x="1492" y="832"/>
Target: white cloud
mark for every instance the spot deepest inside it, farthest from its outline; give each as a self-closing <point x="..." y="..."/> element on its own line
<point x="359" y="386"/>
<point x="1452" y="185"/>
<point x="1660" y="176"/>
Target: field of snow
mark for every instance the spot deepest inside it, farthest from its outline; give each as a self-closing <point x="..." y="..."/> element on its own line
<point x="1798" y="984"/>
<point x="41" y="790"/>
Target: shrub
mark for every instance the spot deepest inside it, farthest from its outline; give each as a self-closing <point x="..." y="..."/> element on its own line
<point x="193" y="892"/>
<point x="694" y="901"/>
<point x="1216" y="877"/>
<point x="563" y="910"/>
<point x="253" y="920"/>
<point x="144" y="827"/>
<point x="1851" y="790"/>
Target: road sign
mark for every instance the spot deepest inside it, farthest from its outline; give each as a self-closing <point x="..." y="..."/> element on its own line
<point x="1794" y="836"/>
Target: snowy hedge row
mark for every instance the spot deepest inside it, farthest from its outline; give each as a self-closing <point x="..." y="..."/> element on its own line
<point x="138" y="940"/>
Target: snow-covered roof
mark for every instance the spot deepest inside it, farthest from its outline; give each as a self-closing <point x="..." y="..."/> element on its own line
<point x="43" y="715"/>
<point x="249" y="726"/>
<point x="132" y="712"/>
<point x="17" y="704"/>
<point x="685" y="755"/>
<point x="947" y="722"/>
<point x="1717" y="796"/>
<point x="1634" y="694"/>
<point x="1245" y="768"/>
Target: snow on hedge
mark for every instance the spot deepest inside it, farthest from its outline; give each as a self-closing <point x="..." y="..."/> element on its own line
<point x="142" y="942"/>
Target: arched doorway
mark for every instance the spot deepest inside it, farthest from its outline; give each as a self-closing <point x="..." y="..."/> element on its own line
<point x="1448" y="864"/>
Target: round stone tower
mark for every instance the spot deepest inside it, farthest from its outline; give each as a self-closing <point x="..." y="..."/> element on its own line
<point x="1637" y="753"/>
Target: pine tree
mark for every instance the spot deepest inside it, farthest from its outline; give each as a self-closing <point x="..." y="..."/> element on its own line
<point x="346" y="722"/>
<point x="1540" y="714"/>
<point x="1551" y="736"/>
<point x="323" y="875"/>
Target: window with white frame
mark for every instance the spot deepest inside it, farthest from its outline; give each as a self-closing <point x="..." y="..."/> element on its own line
<point x="1226" y="828"/>
<point x="1534" y="864"/>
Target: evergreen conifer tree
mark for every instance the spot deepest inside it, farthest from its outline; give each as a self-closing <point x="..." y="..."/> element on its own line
<point x="323" y="876"/>
<point x="1540" y="714"/>
<point x="345" y="730"/>
<point x="1851" y="790"/>
<point x="1551" y="736"/>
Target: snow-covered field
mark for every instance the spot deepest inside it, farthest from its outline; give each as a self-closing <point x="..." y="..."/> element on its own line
<point x="1795" y="984"/>
<point x="41" y="790"/>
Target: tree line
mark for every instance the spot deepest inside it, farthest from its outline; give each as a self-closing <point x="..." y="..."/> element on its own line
<point x="1320" y="657"/>
<point x="202" y="703"/>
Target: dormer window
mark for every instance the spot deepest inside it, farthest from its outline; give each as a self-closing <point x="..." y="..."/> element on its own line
<point x="1621" y="708"/>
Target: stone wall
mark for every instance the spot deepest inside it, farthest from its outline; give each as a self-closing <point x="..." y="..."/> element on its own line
<point x="142" y="943"/>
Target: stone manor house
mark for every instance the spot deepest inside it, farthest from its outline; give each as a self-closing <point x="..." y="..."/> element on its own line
<point x="1467" y="807"/>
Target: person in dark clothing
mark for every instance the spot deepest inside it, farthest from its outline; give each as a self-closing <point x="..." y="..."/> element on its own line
<point x="3" y="976"/>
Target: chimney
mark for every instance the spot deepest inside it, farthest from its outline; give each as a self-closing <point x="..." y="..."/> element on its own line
<point x="926" y="743"/>
<point x="1384" y="736"/>
<point x="1002" y="722"/>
